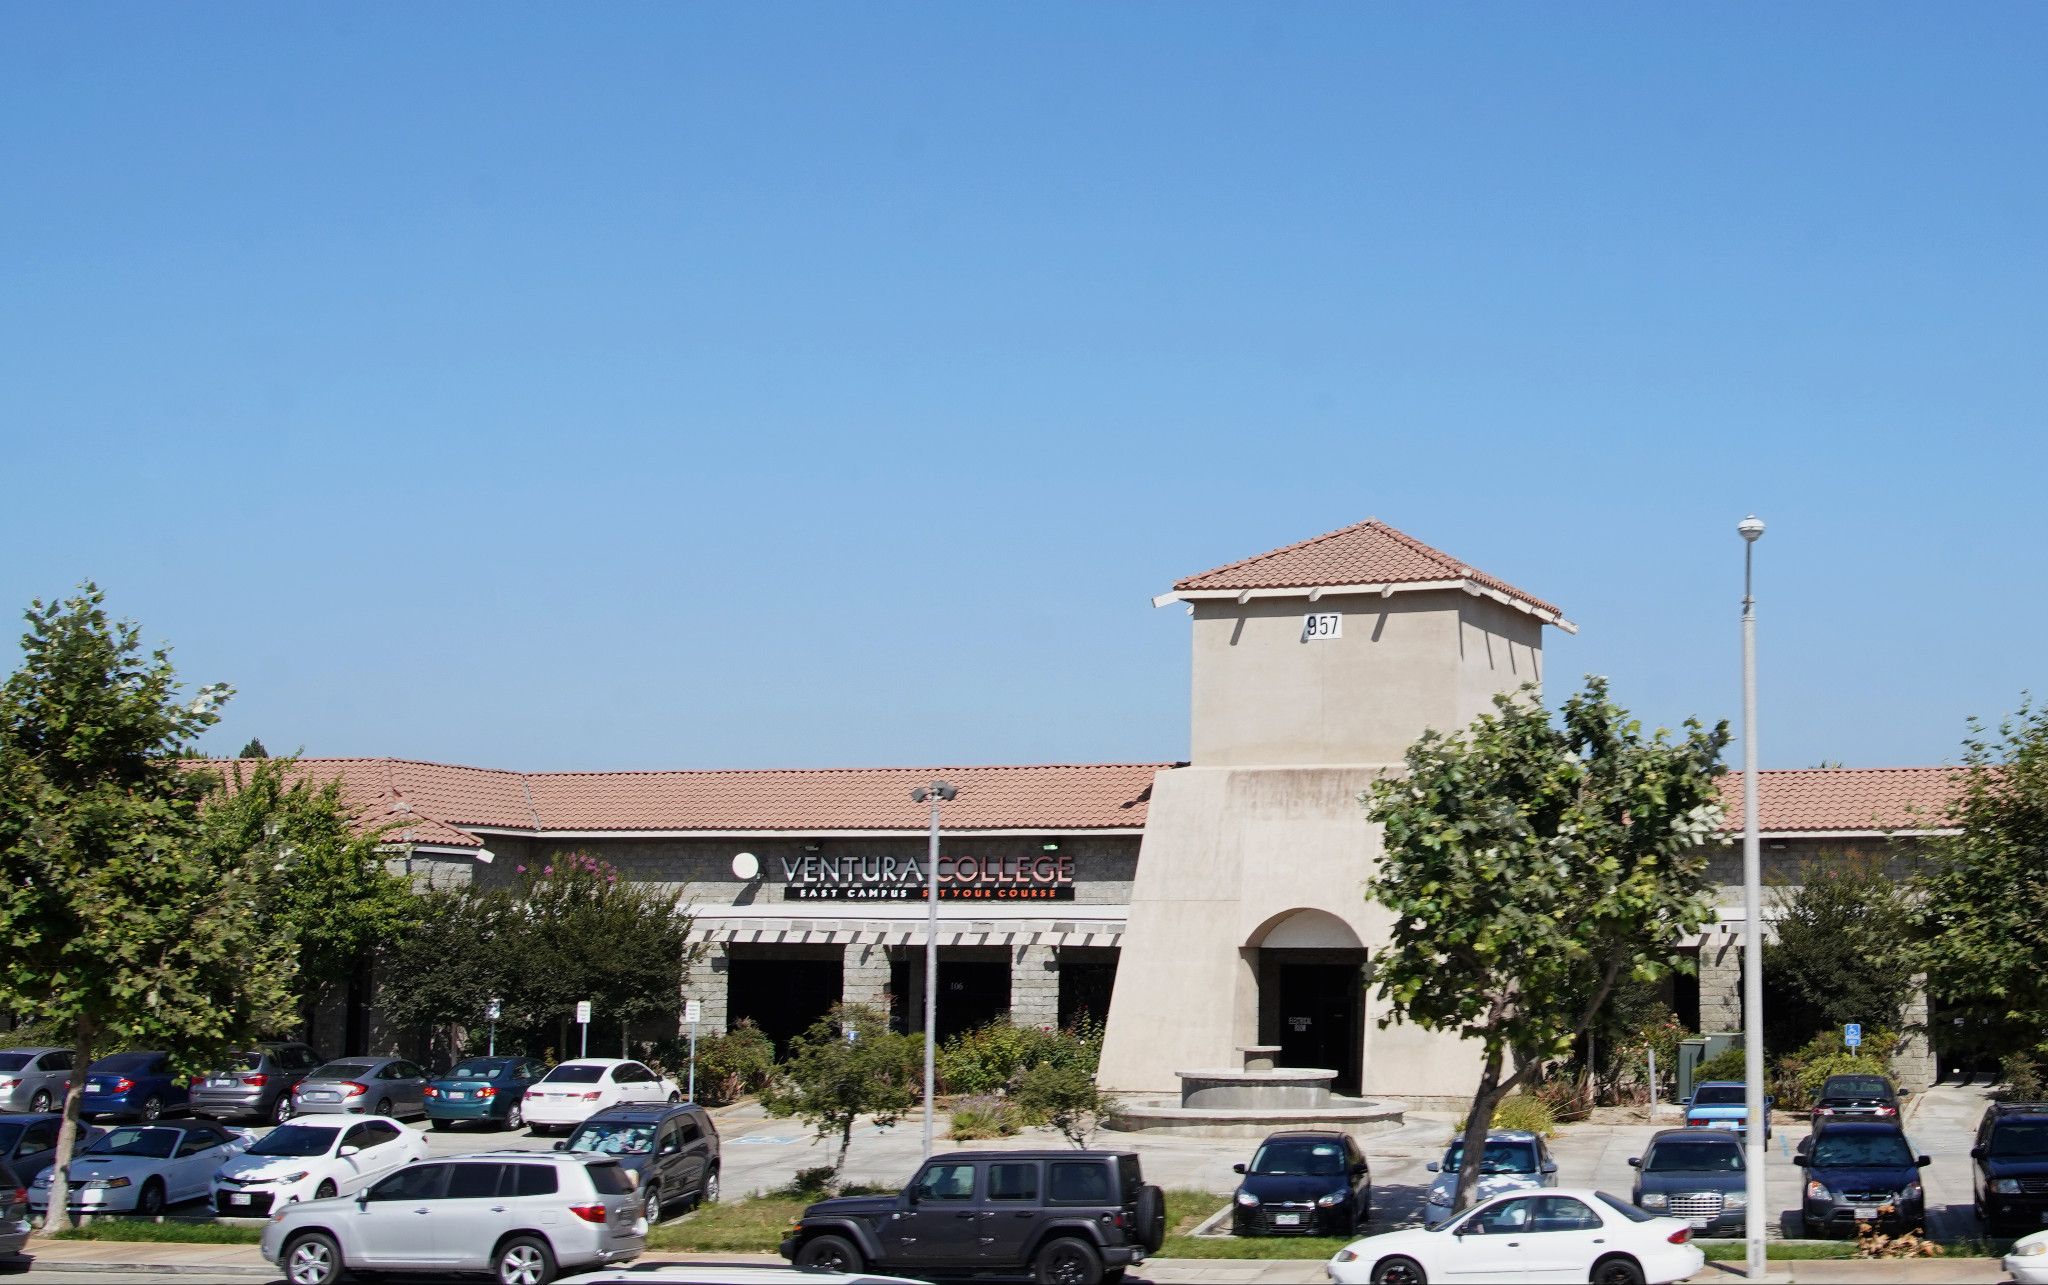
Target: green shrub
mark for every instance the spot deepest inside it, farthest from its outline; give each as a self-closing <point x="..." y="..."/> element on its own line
<point x="1728" y="1064"/>
<point x="2019" y="1075"/>
<point x="1800" y="1074"/>
<point x="734" y="1064"/>
<point x="991" y="1057"/>
<point x="1521" y="1111"/>
<point x="985" y="1116"/>
<point x="1066" y="1098"/>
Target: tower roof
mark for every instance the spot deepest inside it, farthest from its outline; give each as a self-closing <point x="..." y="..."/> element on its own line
<point x="1367" y="557"/>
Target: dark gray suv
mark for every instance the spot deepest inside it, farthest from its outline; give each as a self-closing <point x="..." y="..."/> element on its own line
<point x="256" y="1085"/>
<point x="672" y="1146"/>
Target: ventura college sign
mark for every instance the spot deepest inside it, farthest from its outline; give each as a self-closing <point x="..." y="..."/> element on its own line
<point x="1043" y="877"/>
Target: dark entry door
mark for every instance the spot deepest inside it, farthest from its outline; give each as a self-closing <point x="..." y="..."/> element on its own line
<point x="1319" y="1015"/>
<point x="972" y="993"/>
<point x="782" y="996"/>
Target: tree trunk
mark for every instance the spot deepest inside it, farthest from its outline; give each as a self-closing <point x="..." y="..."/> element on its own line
<point x="1480" y="1119"/>
<point x="82" y="1038"/>
<point x="845" y="1142"/>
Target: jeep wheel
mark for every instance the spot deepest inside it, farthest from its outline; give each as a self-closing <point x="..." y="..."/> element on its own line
<point x="829" y="1253"/>
<point x="1068" y="1261"/>
<point x="1151" y="1217"/>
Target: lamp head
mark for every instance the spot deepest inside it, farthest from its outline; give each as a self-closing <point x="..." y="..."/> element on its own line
<point x="1751" y="528"/>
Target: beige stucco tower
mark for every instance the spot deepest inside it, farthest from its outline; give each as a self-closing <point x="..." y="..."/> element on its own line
<point x="1315" y="666"/>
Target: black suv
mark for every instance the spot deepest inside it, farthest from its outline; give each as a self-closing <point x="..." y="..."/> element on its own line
<point x="1861" y="1172"/>
<point x="1303" y="1183"/>
<point x="2009" y="1166"/>
<point x="1075" y="1217"/>
<point x="672" y="1146"/>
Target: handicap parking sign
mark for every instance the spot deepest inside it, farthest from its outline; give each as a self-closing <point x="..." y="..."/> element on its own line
<point x="1852" y="1034"/>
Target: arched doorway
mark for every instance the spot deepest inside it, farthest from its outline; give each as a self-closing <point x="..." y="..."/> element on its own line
<point x="1311" y="971"/>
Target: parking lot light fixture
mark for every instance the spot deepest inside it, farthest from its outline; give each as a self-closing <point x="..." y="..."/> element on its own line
<point x="935" y="793"/>
<point x="1756" y="1124"/>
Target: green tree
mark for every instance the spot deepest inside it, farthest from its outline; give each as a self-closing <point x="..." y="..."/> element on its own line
<point x="1530" y="866"/>
<point x="847" y="1065"/>
<point x="1842" y="951"/>
<point x="254" y="750"/>
<point x="1983" y="943"/>
<point x="326" y="889"/>
<point x="123" y="927"/>
<point x="1065" y="1097"/>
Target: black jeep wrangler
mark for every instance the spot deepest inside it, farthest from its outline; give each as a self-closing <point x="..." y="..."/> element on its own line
<point x="1071" y="1217"/>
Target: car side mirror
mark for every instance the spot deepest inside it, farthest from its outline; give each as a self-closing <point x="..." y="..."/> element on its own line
<point x="1921" y="1162"/>
<point x="1905" y="1093"/>
<point x="1635" y="1162"/>
<point x="1550" y="1166"/>
<point x="1237" y="1168"/>
<point x="1361" y="1168"/>
<point x="1802" y="1161"/>
<point x="1433" y="1167"/>
<point x="349" y="1149"/>
<point x="362" y="1200"/>
<point x="1977" y="1152"/>
<point x="563" y="1145"/>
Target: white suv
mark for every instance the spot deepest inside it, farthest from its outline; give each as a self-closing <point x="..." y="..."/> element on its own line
<point x="519" y="1215"/>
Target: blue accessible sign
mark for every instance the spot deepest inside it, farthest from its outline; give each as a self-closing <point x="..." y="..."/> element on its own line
<point x="1852" y="1034"/>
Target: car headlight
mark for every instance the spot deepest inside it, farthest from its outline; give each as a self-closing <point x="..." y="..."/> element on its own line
<point x="1655" y="1200"/>
<point x="1332" y="1200"/>
<point x="108" y="1184"/>
<point x="1347" y="1256"/>
<point x="1912" y="1191"/>
<point x="1818" y="1191"/>
<point x="1247" y="1199"/>
<point x="2034" y="1250"/>
<point x="300" y="1176"/>
<point x="2006" y="1186"/>
<point x="1735" y="1200"/>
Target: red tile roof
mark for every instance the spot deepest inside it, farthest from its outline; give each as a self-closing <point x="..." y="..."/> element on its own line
<point x="1369" y="553"/>
<point x="433" y="799"/>
<point x="1843" y="800"/>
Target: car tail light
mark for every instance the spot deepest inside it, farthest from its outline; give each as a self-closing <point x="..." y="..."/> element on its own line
<point x="351" y="1089"/>
<point x="487" y="1092"/>
<point x="20" y="1196"/>
<point x="6" y="1085"/>
<point x="256" y="1081"/>
<point x="1679" y="1237"/>
<point x="1887" y="1110"/>
<point x="1823" y="1110"/>
<point x="123" y="1084"/>
<point x="588" y="1213"/>
<point x="592" y="1097"/>
<point x="431" y="1091"/>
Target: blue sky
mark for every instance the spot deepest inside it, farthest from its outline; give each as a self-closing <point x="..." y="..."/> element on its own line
<point x="751" y="385"/>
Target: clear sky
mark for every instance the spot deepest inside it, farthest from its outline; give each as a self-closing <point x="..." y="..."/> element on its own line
<point x="750" y="385"/>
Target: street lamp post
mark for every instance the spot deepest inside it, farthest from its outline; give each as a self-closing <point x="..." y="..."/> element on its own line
<point x="1751" y="528"/>
<point x="934" y="794"/>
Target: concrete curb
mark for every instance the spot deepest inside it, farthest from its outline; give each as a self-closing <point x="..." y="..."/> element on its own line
<point x="235" y="1270"/>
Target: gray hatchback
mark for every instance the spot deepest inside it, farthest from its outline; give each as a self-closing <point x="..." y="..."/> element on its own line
<point x="521" y="1216"/>
<point x="363" y="1086"/>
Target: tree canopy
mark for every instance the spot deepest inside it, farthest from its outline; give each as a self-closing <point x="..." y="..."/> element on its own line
<point x="1841" y="952"/>
<point x="1529" y="866"/>
<point x="847" y="1065"/>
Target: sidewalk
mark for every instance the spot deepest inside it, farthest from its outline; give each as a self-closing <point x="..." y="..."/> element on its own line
<point x="242" y="1262"/>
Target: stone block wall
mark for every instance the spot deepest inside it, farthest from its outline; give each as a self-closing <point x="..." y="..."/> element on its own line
<point x="1034" y="986"/>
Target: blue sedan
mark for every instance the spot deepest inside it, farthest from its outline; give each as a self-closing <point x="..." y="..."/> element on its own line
<point x="487" y="1089"/>
<point x="133" y="1086"/>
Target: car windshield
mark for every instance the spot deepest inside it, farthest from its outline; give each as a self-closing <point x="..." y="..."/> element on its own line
<point x="1499" y="1157"/>
<point x="1318" y="1159"/>
<point x="2020" y="1138"/>
<point x="342" y="1071"/>
<point x="1861" y="1150"/>
<point x="576" y="1073"/>
<point x="295" y="1140"/>
<point x="614" y="1138"/>
<point x="14" y="1061"/>
<point x="156" y="1144"/>
<point x="126" y="1063"/>
<point x="477" y="1069"/>
<point x="1720" y="1095"/>
<point x="1693" y="1155"/>
<point x="1856" y="1086"/>
<point x="1622" y="1207"/>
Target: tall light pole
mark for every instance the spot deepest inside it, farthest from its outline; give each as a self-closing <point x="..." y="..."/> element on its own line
<point x="1751" y="528"/>
<point x="935" y="793"/>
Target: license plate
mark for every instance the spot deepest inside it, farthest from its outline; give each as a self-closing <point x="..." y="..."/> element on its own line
<point x="238" y="1198"/>
<point x="456" y="1095"/>
<point x="1701" y="1224"/>
<point x="94" y="1086"/>
<point x="1865" y="1212"/>
<point x="222" y="1082"/>
<point x="1287" y="1220"/>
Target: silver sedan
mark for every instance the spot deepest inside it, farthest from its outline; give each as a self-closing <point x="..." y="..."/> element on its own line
<point x="34" y="1079"/>
<point x="363" y="1086"/>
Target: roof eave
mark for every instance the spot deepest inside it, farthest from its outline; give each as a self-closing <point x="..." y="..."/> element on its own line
<point x="1315" y="593"/>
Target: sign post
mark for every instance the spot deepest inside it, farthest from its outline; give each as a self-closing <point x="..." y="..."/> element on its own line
<point x="583" y="1020"/>
<point x="492" y="1010"/>
<point x="692" y="1013"/>
<point x="1852" y="1035"/>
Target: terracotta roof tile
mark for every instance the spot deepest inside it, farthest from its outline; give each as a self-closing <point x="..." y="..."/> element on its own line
<point x="1369" y="553"/>
<point x="1838" y="800"/>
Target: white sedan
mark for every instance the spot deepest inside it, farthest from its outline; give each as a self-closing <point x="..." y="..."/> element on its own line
<point x="1562" y="1234"/>
<point x="2027" y="1260"/>
<point x="313" y="1159"/>
<point x="143" y="1168"/>
<point x="574" y="1091"/>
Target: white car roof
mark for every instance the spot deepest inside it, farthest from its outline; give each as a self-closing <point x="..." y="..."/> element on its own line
<point x="596" y="1061"/>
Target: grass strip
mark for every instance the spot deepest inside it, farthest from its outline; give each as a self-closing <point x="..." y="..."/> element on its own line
<point x="1734" y="1251"/>
<point x="164" y="1233"/>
